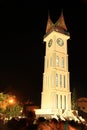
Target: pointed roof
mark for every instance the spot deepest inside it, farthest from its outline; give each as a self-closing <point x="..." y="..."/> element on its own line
<point x="59" y="26"/>
<point x="60" y="22"/>
<point x="49" y="23"/>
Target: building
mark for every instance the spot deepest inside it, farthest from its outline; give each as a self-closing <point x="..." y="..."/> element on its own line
<point x="56" y="85"/>
<point x="56" y="95"/>
<point x="82" y="104"/>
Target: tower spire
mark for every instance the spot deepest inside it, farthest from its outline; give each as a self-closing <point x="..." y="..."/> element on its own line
<point x="61" y="22"/>
<point x="59" y="26"/>
<point x="49" y="23"/>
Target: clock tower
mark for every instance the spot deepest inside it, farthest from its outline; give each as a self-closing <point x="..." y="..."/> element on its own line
<point x="56" y="95"/>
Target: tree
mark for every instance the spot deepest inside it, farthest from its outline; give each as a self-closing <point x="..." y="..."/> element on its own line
<point x="9" y="106"/>
<point x="74" y="100"/>
<point x="13" y="111"/>
<point x="3" y="97"/>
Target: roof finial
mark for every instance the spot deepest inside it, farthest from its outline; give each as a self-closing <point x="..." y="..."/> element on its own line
<point x="49" y="23"/>
<point x="61" y="22"/>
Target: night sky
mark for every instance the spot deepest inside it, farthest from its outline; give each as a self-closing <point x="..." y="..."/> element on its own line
<point x="22" y="27"/>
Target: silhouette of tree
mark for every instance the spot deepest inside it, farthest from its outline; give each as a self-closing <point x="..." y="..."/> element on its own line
<point x="74" y="100"/>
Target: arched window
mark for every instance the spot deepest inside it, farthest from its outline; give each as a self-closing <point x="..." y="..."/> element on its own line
<point x="64" y="102"/>
<point x="56" y="100"/>
<point x="64" y="81"/>
<point x="60" y="80"/>
<point x="62" y="62"/>
<point x="56" y="80"/>
<point x="61" y="101"/>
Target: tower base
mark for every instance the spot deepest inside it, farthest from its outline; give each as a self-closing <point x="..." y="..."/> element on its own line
<point x="59" y="114"/>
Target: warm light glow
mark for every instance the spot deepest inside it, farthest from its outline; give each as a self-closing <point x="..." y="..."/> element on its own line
<point x="11" y="101"/>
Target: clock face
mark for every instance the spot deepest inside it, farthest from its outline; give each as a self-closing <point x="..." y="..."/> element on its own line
<point x="60" y="42"/>
<point x="50" y="43"/>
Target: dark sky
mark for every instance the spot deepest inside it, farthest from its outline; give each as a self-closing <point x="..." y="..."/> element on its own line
<point x="22" y="27"/>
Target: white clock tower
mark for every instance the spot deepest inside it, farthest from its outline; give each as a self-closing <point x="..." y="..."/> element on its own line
<point x="56" y="95"/>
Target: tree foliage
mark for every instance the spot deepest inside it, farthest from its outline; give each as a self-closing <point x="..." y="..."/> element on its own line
<point x="13" y="111"/>
<point x="9" y="106"/>
<point x="3" y="97"/>
<point x="74" y="99"/>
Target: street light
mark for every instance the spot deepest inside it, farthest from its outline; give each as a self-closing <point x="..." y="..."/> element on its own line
<point x="11" y="101"/>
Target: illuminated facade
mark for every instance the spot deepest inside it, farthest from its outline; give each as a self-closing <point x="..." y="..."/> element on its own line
<point x="56" y="93"/>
